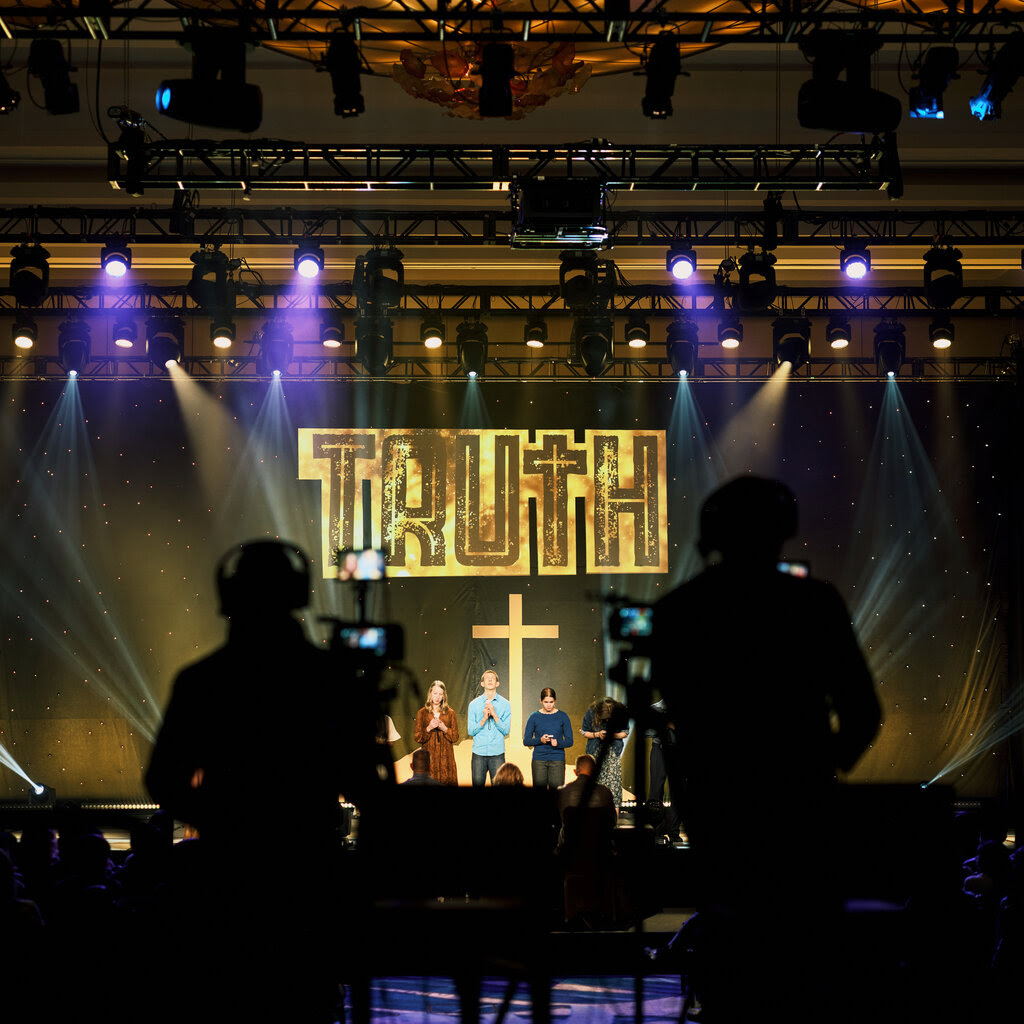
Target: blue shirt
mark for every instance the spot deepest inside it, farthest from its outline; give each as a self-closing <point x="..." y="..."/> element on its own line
<point x="556" y="724"/>
<point x="489" y="735"/>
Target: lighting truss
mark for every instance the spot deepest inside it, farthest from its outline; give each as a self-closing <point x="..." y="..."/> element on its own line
<point x="268" y="164"/>
<point x="251" y="224"/>
<point x="520" y="300"/>
<point x="305" y="22"/>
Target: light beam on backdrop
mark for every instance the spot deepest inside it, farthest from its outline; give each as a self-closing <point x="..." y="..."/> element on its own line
<point x="912" y="595"/>
<point x="57" y="553"/>
<point x="750" y="441"/>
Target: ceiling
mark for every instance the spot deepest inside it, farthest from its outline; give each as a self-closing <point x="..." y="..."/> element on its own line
<point x="742" y="93"/>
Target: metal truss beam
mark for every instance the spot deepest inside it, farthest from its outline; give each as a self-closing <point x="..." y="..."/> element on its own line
<point x="303" y="22"/>
<point x="263" y="164"/>
<point x="540" y="368"/>
<point x="520" y="300"/>
<point x="278" y="225"/>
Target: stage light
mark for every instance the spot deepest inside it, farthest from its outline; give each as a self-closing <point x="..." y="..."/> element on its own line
<point x="375" y="344"/>
<point x="683" y="338"/>
<point x="125" y="333"/>
<point x="344" y="64"/>
<point x="217" y="94"/>
<point x="24" y="332"/>
<point x="681" y="261"/>
<point x="432" y="330"/>
<point x="73" y="346"/>
<point x="332" y="332"/>
<point x="497" y="69"/>
<point x="471" y="345"/>
<point x="275" y="347"/>
<point x="791" y="341"/>
<point x="837" y="333"/>
<point x="662" y="70"/>
<point x="756" y="287"/>
<point x="41" y="796"/>
<point x="165" y="340"/>
<point x="890" y="346"/>
<point x="9" y="97"/>
<point x="730" y="333"/>
<point x="222" y="333"/>
<point x="535" y="332"/>
<point x="47" y="62"/>
<point x="115" y="260"/>
<point x="593" y="343"/>
<point x="638" y="331"/>
<point x="824" y="102"/>
<point x="578" y="279"/>
<point x="378" y="280"/>
<point x="30" y="274"/>
<point x="1002" y="77"/>
<point x="939" y="66"/>
<point x="943" y="276"/>
<point x="855" y="263"/>
<point x="941" y="332"/>
<point x="309" y="260"/>
<point x="211" y="286"/>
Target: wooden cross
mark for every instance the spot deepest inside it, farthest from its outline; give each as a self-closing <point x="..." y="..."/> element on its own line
<point x="515" y="633"/>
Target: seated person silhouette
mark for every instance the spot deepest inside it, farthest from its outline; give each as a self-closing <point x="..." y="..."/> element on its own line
<point x="262" y="736"/>
<point x="421" y="770"/>
<point x="770" y="695"/>
<point x="586" y="846"/>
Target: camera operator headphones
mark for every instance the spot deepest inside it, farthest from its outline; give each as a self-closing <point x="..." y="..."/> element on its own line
<point x="263" y="575"/>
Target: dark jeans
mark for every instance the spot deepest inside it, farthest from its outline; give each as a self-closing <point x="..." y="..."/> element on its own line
<point x="484" y="763"/>
<point x="548" y="774"/>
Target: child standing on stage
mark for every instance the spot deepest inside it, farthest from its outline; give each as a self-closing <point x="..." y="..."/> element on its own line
<point x="549" y="732"/>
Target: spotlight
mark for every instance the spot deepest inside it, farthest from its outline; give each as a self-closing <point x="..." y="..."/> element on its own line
<point x="756" y="287"/>
<point x="115" y="260"/>
<point x="217" y="94"/>
<point x="593" y="338"/>
<point x="890" y="346"/>
<point x="940" y="64"/>
<point x="941" y="332"/>
<point x="791" y="337"/>
<point x="583" y="280"/>
<point x="662" y="70"/>
<point x="343" y="62"/>
<point x="855" y="263"/>
<point x="275" y="347"/>
<point x="211" y="287"/>
<point x="165" y="340"/>
<point x="375" y="344"/>
<point x="1002" y="77"/>
<point x="680" y="261"/>
<point x="125" y="333"/>
<point x="24" y="332"/>
<point x="943" y="276"/>
<point x="309" y="260"/>
<point x="9" y="98"/>
<point x="837" y="333"/>
<point x="47" y="62"/>
<point x="41" y="796"/>
<point x="638" y="331"/>
<point x="852" y="105"/>
<point x="332" y="333"/>
<point x="222" y="333"/>
<point x="497" y="68"/>
<point x="730" y="334"/>
<point x="379" y="279"/>
<point x="681" y="345"/>
<point x="471" y="344"/>
<point x="30" y="274"/>
<point x="432" y="331"/>
<point x="535" y="332"/>
<point x="73" y="346"/>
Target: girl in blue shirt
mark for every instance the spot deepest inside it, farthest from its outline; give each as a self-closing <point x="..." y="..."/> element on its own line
<point x="549" y="732"/>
